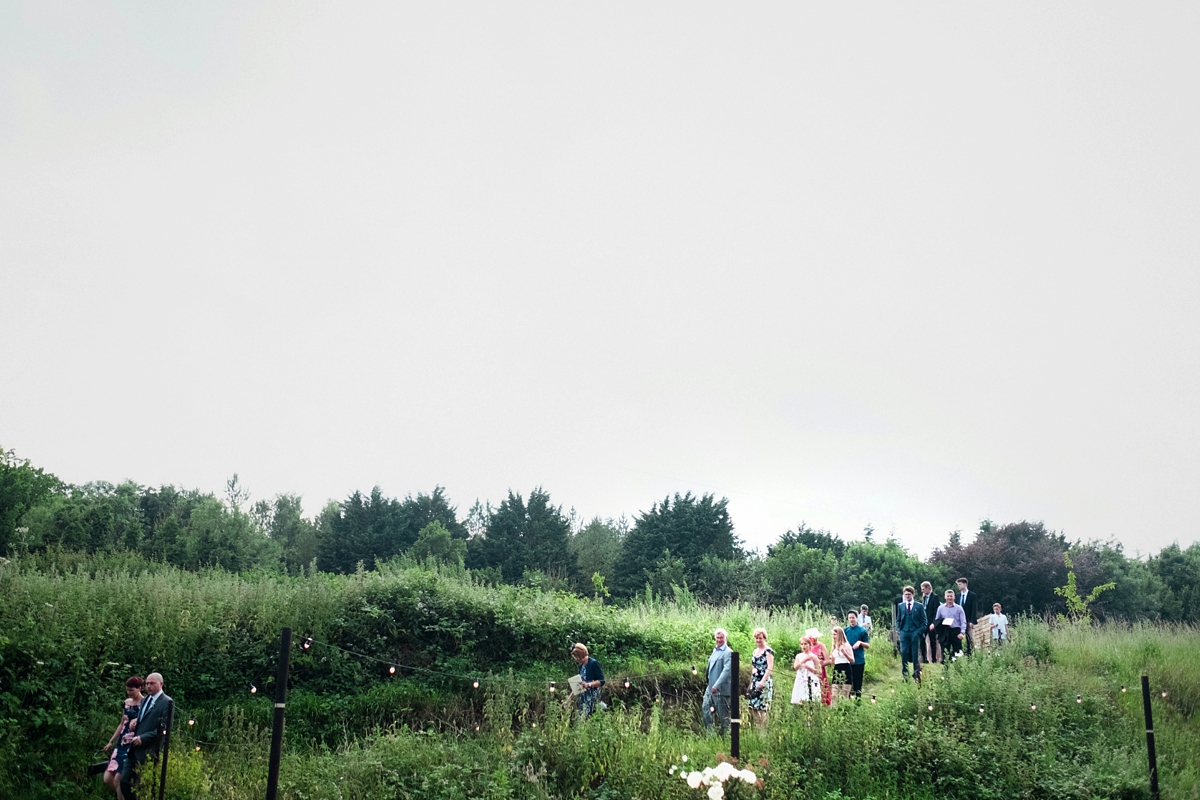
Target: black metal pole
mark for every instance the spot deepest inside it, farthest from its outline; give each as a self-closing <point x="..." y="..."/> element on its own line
<point x="735" y="722"/>
<point x="281" y="679"/>
<point x="164" y="741"/>
<point x="1150" y="737"/>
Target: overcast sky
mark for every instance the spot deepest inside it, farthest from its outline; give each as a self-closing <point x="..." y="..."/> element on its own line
<point x="910" y="265"/>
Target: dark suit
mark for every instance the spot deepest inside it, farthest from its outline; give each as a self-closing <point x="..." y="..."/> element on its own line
<point x="153" y="718"/>
<point x="910" y="624"/>
<point x="970" y="607"/>
<point x="927" y="638"/>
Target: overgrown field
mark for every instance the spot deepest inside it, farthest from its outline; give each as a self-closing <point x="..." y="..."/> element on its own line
<point x="73" y="627"/>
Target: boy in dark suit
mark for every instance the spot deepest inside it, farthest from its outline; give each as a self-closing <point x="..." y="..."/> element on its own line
<point x="929" y="644"/>
<point x="151" y="718"/>
<point x="910" y="621"/>
<point x="970" y="605"/>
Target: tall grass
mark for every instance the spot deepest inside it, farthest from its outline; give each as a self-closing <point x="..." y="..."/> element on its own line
<point x="72" y="628"/>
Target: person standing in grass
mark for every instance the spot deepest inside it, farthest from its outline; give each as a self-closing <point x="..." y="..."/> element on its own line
<point x="761" y="687"/>
<point x="826" y="662"/>
<point x="999" y="625"/>
<point x="591" y="677"/>
<point x="860" y="641"/>
<point x="144" y="738"/>
<point x="969" y="602"/>
<point x="843" y="658"/>
<point x="911" y="622"/>
<point x="807" y="688"/>
<point x="118" y="743"/>
<point x="929" y="644"/>
<point x="864" y="619"/>
<point x="950" y="624"/>
<point x="715" y="703"/>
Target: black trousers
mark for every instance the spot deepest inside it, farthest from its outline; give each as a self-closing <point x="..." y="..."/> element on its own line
<point x="951" y="644"/>
<point x="856" y="678"/>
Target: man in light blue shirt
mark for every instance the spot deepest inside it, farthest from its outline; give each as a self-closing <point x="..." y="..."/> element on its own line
<point x="950" y="625"/>
<point x="715" y="703"/>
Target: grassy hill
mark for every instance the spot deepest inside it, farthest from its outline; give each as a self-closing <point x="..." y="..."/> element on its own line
<point x="73" y="627"/>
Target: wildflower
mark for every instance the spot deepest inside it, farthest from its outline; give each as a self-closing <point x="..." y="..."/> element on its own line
<point x="715" y="792"/>
<point x="747" y="776"/>
<point x="695" y="779"/>
<point x="724" y="771"/>
<point x="683" y="757"/>
<point x="671" y="771"/>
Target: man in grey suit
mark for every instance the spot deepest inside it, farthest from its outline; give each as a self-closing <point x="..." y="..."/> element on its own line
<point x="910" y="621"/>
<point x="716" y="695"/>
<point x="151" y="717"/>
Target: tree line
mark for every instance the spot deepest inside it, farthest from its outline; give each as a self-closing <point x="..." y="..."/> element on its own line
<point x="683" y="546"/>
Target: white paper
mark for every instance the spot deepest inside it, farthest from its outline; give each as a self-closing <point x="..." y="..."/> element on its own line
<point x="948" y="621"/>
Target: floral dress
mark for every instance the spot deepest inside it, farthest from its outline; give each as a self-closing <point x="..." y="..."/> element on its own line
<point x="589" y="698"/>
<point x="760" y="699"/>
<point x="128" y="725"/>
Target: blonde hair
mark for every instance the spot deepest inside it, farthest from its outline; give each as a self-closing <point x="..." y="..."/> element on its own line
<point x="757" y="631"/>
<point x="580" y="649"/>
<point x="838" y="633"/>
<point x="804" y="640"/>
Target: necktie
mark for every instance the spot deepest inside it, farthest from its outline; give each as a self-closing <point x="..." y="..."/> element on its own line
<point x="910" y="606"/>
<point x="145" y="708"/>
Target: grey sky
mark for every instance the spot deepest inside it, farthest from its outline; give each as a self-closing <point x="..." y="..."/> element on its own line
<point x="902" y="264"/>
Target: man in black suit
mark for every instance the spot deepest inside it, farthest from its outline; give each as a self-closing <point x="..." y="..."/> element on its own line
<point x="910" y="621"/>
<point x="929" y="645"/>
<point x="151" y="718"/>
<point x="970" y="605"/>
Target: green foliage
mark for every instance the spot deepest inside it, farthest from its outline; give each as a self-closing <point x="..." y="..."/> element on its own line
<point x="435" y="542"/>
<point x="1078" y="607"/>
<point x="524" y="536"/>
<point x="22" y="487"/>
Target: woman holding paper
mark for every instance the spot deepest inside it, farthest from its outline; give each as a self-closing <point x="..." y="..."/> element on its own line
<point x="591" y="679"/>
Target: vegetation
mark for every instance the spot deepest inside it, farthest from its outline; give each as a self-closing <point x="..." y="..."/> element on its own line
<point x="75" y="625"/>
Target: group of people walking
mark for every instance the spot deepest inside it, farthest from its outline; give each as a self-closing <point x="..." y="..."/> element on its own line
<point x="143" y="716"/>
<point x="927" y="631"/>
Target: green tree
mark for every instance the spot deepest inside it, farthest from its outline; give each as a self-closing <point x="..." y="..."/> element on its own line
<point x="596" y="547"/>
<point x="688" y="527"/>
<point x="1179" y="572"/>
<point x="22" y="487"/>
<point x="1077" y="607"/>
<point x="435" y="541"/>
<point x="524" y="536"/>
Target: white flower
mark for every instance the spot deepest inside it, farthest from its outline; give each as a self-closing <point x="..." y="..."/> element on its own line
<point x="724" y="771"/>
<point x="747" y="776"/>
<point x="716" y="792"/>
<point x="694" y="779"/>
<point x="683" y="758"/>
<point x="671" y="771"/>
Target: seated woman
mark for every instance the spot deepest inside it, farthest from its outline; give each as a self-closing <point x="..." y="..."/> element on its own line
<point x="119" y="743"/>
<point x="592" y="678"/>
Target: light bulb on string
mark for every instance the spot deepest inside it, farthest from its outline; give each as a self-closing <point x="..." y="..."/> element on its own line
<point x="392" y="669"/>
<point x="981" y="708"/>
<point x="197" y="748"/>
<point x="477" y="729"/>
<point x="872" y="699"/>
<point x="475" y="685"/>
<point x="552" y="690"/>
<point x="535" y="724"/>
<point x="307" y="642"/>
<point x="1164" y="694"/>
<point x="694" y="670"/>
<point x="253" y="689"/>
<point x="1122" y="690"/>
<point x="931" y="707"/>
<point x="1033" y="706"/>
<point x="627" y="683"/>
<point x="191" y="721"/>
<point x="1078" y="698"/>
<point x="893" y="691"/>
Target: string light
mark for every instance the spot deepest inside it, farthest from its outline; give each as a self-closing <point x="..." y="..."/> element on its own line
<point x="981" y="708"/>
<point x="477" y="729"/>
<point x="307" y="642"/>
<point x="1078" y="698"/>
<point x="191" y="720"/>
<point x="197" y="748"/>
<point x="475" y="685"/>
<point x="1122" y="690"/>
<point x="552" y="690"/>
<point x="1164" y="695"/>
<point x="392" y="669"/>
<point x="931" y="706"/>
<point x="872" y="699"/>
<point x="627" y="683"/>
<point x="694" y="670"/>
<point x="1033" y="706"/>
<point x="253" y="689"/>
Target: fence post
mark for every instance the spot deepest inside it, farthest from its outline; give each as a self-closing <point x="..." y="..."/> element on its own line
<point x="164" y="742"/>
<point x="281" y="679"/>
<point x="735" y="721"/>
<point x="1150" y="737"/>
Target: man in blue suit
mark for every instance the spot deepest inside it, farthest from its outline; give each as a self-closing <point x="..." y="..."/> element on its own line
<point x="910" y="621"/>
<point x="715" y="703"/>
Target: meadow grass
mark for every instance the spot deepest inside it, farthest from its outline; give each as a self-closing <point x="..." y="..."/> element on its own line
<point x="72" y="627"/>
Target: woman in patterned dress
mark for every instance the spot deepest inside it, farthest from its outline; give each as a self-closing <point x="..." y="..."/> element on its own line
<point x="761" y="687"/>
<point x="127" y="726"/>
<point x="592" y="678"/>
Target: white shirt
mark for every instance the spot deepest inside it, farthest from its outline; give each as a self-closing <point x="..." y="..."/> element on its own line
<point x="999" y="626"/>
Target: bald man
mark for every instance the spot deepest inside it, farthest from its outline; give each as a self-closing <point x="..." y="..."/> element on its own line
<point x="152" y="717"/>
